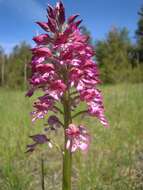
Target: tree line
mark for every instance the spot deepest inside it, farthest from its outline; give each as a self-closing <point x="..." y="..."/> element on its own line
<point x="119" y="59"/>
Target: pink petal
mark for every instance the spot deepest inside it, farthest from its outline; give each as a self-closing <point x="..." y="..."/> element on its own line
<point x="68" y="144"/>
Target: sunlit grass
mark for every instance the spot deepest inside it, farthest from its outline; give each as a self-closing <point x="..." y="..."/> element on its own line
<point x="113" y="161"/>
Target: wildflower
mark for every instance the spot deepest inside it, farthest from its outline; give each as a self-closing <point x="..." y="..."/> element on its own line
<point x="78" y="138"/>
<point x="38" y="139"/>
<point x="54" y="122"/>
<point x="42" y="106"/>
<point x="64" y="70"/>
<point x="42" y="39"/>
<point x="63" y="59"/>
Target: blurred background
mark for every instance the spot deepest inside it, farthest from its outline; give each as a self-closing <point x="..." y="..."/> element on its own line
<point x="115" y="29"/>
<point x="115" y="161"/>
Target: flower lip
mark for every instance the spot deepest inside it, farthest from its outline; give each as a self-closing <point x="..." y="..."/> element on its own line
<point x="78" y="138"/>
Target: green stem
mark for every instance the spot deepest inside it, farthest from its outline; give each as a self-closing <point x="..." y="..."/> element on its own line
<point x="42" y="174"/>
<point x="67" y="156"/>
<point x="67" y="170"/>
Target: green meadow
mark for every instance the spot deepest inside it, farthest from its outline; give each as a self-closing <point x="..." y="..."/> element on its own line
<point x="115" y="157"/>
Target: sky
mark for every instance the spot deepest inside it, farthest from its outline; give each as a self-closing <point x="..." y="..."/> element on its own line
<point x="18" y="17"/>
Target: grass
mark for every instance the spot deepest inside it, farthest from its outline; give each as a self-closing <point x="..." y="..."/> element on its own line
<point x="114" y="161"/>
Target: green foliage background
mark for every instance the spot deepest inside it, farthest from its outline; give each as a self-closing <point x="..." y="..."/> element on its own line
<point x="114" y="161"/>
